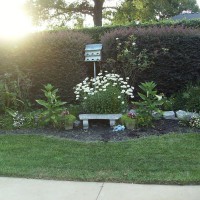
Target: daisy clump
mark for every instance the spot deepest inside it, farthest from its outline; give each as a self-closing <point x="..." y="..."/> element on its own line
<point x="106" y="94"/>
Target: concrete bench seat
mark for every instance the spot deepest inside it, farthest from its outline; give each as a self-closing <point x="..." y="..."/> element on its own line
<point x="86" y="117"/>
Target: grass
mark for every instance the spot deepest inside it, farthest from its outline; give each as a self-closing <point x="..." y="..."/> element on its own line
<point x="168" y="159"/>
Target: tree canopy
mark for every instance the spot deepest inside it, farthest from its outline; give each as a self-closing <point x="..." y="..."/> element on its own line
<point x="60" y="11"/>
<point x="145" y="10"/>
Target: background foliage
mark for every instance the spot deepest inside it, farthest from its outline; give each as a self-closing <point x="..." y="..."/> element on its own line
<point x="48" y="57"/>
<point x="57" y="57"/>
<point x="175" y="53"/>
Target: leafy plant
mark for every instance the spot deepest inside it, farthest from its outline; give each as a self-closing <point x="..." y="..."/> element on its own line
<point x="53" y="107"/>
<point x="188" y="98"/>
<point x="130" y="60"/>
<point x="129" y="120"/>
<point x="149" y="102"/>
<point x="14" y="91"/>
<point x="6" y="121"/>
<point x="106" y="94"/>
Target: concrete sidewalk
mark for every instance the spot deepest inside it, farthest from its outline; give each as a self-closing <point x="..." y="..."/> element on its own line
<point x="30" y="189"/>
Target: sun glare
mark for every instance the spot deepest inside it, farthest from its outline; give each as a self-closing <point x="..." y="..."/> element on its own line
<point x="13" y="22"/>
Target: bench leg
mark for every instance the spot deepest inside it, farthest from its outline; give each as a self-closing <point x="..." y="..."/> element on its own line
<point x="112" y="123"/>
<point x="85" y="124"/>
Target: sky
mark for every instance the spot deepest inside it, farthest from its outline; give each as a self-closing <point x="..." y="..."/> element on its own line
<point x="14" y="22"/>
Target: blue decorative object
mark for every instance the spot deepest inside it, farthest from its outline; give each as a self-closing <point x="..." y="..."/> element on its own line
<point x="119" y="128"/>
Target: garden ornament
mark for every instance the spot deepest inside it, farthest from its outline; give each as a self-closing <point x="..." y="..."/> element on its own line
<point x="119" y="128"/>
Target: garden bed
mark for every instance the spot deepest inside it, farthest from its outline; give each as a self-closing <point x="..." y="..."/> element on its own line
<point x="100" y="130"/>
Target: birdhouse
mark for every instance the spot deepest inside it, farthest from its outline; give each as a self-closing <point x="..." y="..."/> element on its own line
<point x="93" y="52"/>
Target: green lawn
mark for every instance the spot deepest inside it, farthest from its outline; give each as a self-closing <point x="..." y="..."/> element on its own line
<point x="173" y="158"/>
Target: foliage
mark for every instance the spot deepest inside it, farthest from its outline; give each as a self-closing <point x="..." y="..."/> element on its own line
<point x="105" y="94"/>
<point x="53" y="107"/>
<point x="14" y="91"/>
<point x="174" y="52"/>
<point x="97" y="32"/>
<point x="146" y="10"/>
<point x="6" y="121"/>
<point x="57" y="14"/>
<point x="130" y="61"/>
<point x="129" y="120"/>
<point x="74" y="109"/>
<point x="150" y="102"/>
<point x="69" y="119"/>
<point x="168" y="103"/>
<point x="47" y="57"/>
<point x="188" y="98"/>
<point x="195" y="122"/>
<point x="57" y="57"/>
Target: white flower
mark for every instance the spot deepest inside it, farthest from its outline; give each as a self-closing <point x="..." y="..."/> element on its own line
<point x="119" y="97"/>
<point x="85" y="97"/>
<point x="117" y="38"/>
<point x="123" y="91"/>
<point x="133" y="43"/>
<point x="159" y="97"/>
<point x="132" y="96"/>
<point x="122" y="102"/>
<point x="123" y="86"/>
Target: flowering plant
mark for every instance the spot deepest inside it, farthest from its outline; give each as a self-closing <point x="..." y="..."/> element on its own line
<point x="194" y="122"/>
<point x="131" y="115"/>
<point x="104" y="94"/>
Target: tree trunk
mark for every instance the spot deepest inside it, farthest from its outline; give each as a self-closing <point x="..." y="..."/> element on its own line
<point x="98" y="8"/>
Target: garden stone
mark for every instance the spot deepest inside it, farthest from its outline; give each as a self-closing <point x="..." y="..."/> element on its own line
<point x="156" y="115"/>
<point x="169" y="115"/>
<point x="183" y="115"/>
<point x="191" y="114"/>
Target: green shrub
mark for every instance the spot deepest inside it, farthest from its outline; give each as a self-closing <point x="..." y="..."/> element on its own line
<point x="48" y="57"/>
<point x="129" y="121"/>
<point x="104" y="95"/>
<point x="97" y="32"/>
<point x="6" y="121"/>
<point x="14" y="91"/>
<point x="188" y="99"/>
<point x="173" y="52"/>
<point x="149" y="103"/>
<point x="53" y="107"/>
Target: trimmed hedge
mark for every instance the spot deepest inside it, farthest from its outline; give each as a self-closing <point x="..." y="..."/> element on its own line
<point x="49" y="57"/>
<point x="57" y="57"/>
<point x="97" y="32"/>
<point x="171" y="69"/>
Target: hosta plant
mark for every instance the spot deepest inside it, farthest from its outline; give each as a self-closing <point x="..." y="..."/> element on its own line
<point x="105" y="94"/>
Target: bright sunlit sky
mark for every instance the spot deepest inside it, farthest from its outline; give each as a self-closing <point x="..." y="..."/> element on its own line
<point x="14" y="22"/>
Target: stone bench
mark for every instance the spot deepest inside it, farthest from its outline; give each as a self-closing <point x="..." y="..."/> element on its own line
<point x="86" y="117"/>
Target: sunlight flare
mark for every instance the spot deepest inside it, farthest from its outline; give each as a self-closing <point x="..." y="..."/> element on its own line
<point x="13" y="21"/>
